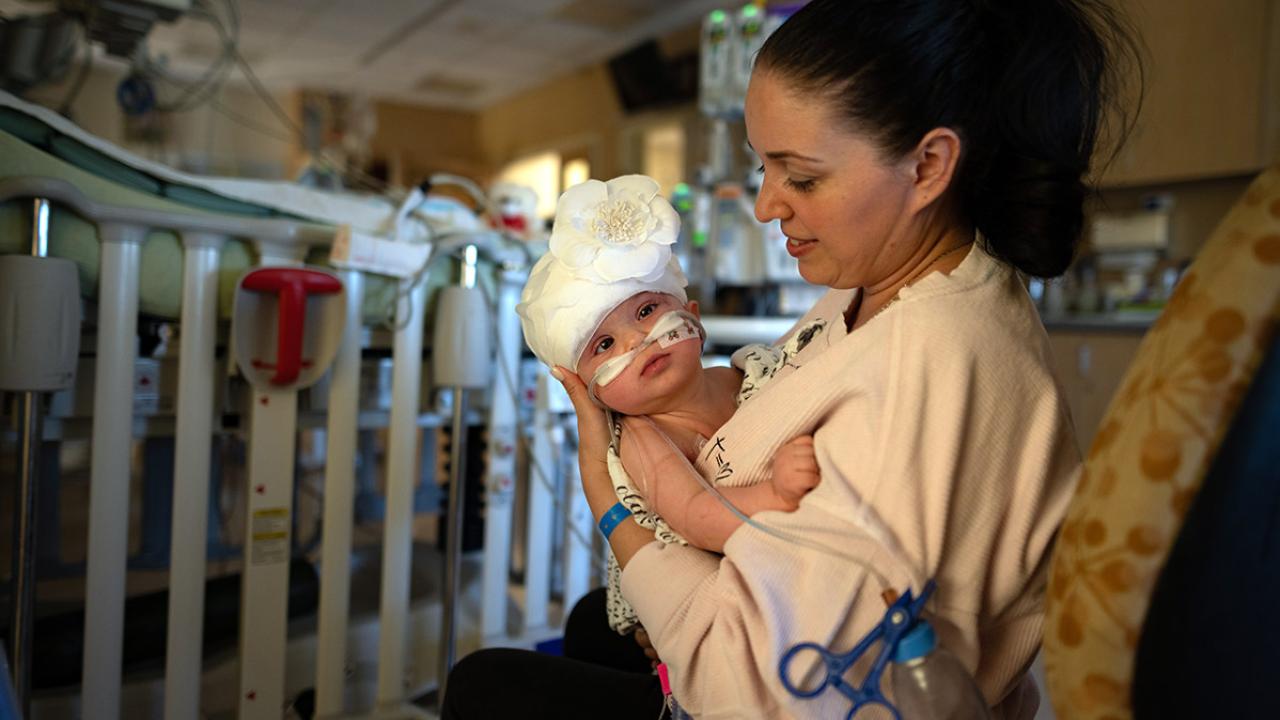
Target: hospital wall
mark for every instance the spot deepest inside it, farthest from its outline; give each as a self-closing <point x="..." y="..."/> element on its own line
<point x="577" y="114"/>
<point x="414" y="141"/>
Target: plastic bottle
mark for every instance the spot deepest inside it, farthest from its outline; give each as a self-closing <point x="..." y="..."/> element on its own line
<point x="930" y="683"/>
<point x="714" y="63"/>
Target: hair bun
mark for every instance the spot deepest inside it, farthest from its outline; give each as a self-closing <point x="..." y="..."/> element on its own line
<point x="1030" y="214"/>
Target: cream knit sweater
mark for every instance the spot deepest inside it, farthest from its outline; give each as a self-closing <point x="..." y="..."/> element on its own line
<point x="942" y="418"/>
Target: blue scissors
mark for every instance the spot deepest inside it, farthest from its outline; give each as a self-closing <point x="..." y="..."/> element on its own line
<point x="898" y="619"/>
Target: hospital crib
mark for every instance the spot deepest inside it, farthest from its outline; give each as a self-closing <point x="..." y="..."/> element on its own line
<point x="130" y="208"/>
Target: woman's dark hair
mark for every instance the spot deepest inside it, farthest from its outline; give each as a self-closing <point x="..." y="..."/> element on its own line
<point x="1028" y="85"/>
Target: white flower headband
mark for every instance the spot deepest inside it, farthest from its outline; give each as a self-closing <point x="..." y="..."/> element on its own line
<point x="616" y="230"/>
<point x="610" y="241"/>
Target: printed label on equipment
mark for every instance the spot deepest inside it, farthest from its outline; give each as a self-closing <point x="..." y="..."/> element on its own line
<point x="270" y="536"/>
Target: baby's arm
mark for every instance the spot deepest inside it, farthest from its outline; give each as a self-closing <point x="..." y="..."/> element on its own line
<point x="697" y="514"/>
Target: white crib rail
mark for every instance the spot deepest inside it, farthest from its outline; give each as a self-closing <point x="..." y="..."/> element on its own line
<point x="264" y="586"/>
<point x="500" y="470"/>
<point x="193" y="443"/>
<point x="397" y="544"/>
<point x="109" y="469"/>
<point x="339" y="490"/>
<point x="123" y="231"/>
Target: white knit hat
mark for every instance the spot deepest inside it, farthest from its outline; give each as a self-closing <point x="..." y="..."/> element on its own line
<point x="610" y="241"/>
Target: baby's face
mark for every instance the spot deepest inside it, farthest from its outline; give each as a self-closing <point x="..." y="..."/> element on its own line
<point x="655" y="378"/>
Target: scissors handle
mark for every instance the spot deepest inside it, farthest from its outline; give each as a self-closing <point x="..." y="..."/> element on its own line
<point x="834" y="665"/>
<point x="898" y="618"/>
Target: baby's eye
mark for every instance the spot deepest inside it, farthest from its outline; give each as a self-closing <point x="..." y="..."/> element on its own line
<point x="603" y="345"/>
<point x="646" y="310"/>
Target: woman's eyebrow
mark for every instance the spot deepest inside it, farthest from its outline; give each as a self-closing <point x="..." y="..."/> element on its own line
<point x="784" y="154"/>
<point x="789" y="155"/>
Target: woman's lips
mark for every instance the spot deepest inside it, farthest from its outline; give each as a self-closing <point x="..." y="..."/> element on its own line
<point x="797" y="247"/>
<point x="656" y="364"/>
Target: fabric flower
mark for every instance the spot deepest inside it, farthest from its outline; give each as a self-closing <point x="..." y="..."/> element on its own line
<point x="616" y="230"/>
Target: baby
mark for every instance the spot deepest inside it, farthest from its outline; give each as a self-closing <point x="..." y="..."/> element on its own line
<point x="608" y="302"/>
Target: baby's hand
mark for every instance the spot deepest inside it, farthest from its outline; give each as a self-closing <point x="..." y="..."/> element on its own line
<point x="795" y="471"/>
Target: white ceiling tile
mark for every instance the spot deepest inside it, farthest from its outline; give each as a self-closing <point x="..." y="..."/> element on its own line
<point x="507" y="45"/>
<point x="527" y="8"/>
<point x="564" y="39"/>
<point x="468" y="20"/>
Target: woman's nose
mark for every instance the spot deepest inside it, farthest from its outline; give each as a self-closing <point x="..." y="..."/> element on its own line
<point x="769" y="206"/>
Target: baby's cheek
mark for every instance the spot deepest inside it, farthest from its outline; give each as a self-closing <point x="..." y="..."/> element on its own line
<point x="620" y="396"/>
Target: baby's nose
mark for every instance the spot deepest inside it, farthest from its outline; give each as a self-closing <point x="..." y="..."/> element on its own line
<point x="636" y="338"/>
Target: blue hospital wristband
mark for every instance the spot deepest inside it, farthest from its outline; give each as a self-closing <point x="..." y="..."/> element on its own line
<point x="614" y="515"/>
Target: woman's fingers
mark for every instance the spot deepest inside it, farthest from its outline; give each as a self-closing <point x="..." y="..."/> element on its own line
<point x="593" y="429"/>
<point x="642" y="639"/>
<point x="574" y="386"/>
<point x="589" y="415"/>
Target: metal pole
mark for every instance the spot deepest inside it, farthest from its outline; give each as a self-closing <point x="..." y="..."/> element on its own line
<point x="453" y="541"/>
<point x="27" y="408"/>
<point x="40" y="228"/>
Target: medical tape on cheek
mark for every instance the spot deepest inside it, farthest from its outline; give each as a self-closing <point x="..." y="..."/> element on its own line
<point x="684" y="331"/>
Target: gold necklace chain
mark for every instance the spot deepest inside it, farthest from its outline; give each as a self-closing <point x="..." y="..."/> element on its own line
<point x="930" y="264"/>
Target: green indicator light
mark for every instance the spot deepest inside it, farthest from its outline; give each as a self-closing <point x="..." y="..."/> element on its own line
<point x="717" y="16"/>
<point x="750" y="11"/>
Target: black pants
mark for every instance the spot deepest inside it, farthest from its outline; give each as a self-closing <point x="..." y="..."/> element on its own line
<point x="602" y="675"/>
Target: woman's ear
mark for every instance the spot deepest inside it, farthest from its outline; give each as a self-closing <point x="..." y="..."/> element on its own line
<point x="692" y="307"/>
<point x="935" y="160"/>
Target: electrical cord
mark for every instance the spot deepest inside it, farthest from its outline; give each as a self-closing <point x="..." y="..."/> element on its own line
<point x="77" y="85"/>
<point x="204" y="90"/>
<point x="245" y="122"/>
<point x="199" y="92"/>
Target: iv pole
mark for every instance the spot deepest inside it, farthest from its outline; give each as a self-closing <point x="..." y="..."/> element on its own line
<point x="462" y="360"/>
<point x="45" y="295"/>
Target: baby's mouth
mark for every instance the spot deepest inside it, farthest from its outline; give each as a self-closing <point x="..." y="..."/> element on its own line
<point x="656" y="363"/>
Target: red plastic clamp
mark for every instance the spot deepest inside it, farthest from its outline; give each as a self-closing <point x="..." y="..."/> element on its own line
<point x="291" y="286"/>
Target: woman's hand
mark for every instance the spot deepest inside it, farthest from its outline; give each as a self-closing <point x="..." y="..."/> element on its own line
<point x="593" y="445"/>
<point x="642" y="639"/>
<point x="593" y="430"/>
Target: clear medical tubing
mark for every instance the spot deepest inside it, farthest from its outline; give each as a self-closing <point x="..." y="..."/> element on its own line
<point x="929" y="683"/>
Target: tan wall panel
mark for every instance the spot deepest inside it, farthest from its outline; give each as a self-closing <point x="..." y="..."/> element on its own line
<point x="1206" y="79"/>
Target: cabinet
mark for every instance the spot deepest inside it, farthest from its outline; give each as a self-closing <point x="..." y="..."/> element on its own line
<point x="1090" y="366"/>
<point x="1212" y="85"/>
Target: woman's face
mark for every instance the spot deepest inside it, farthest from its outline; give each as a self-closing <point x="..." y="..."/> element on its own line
<point x="843" y="207"/>
<point x="657" y="377"/>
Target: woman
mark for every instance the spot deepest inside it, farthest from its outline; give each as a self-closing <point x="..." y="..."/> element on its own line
<point x="922" y="156"/>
